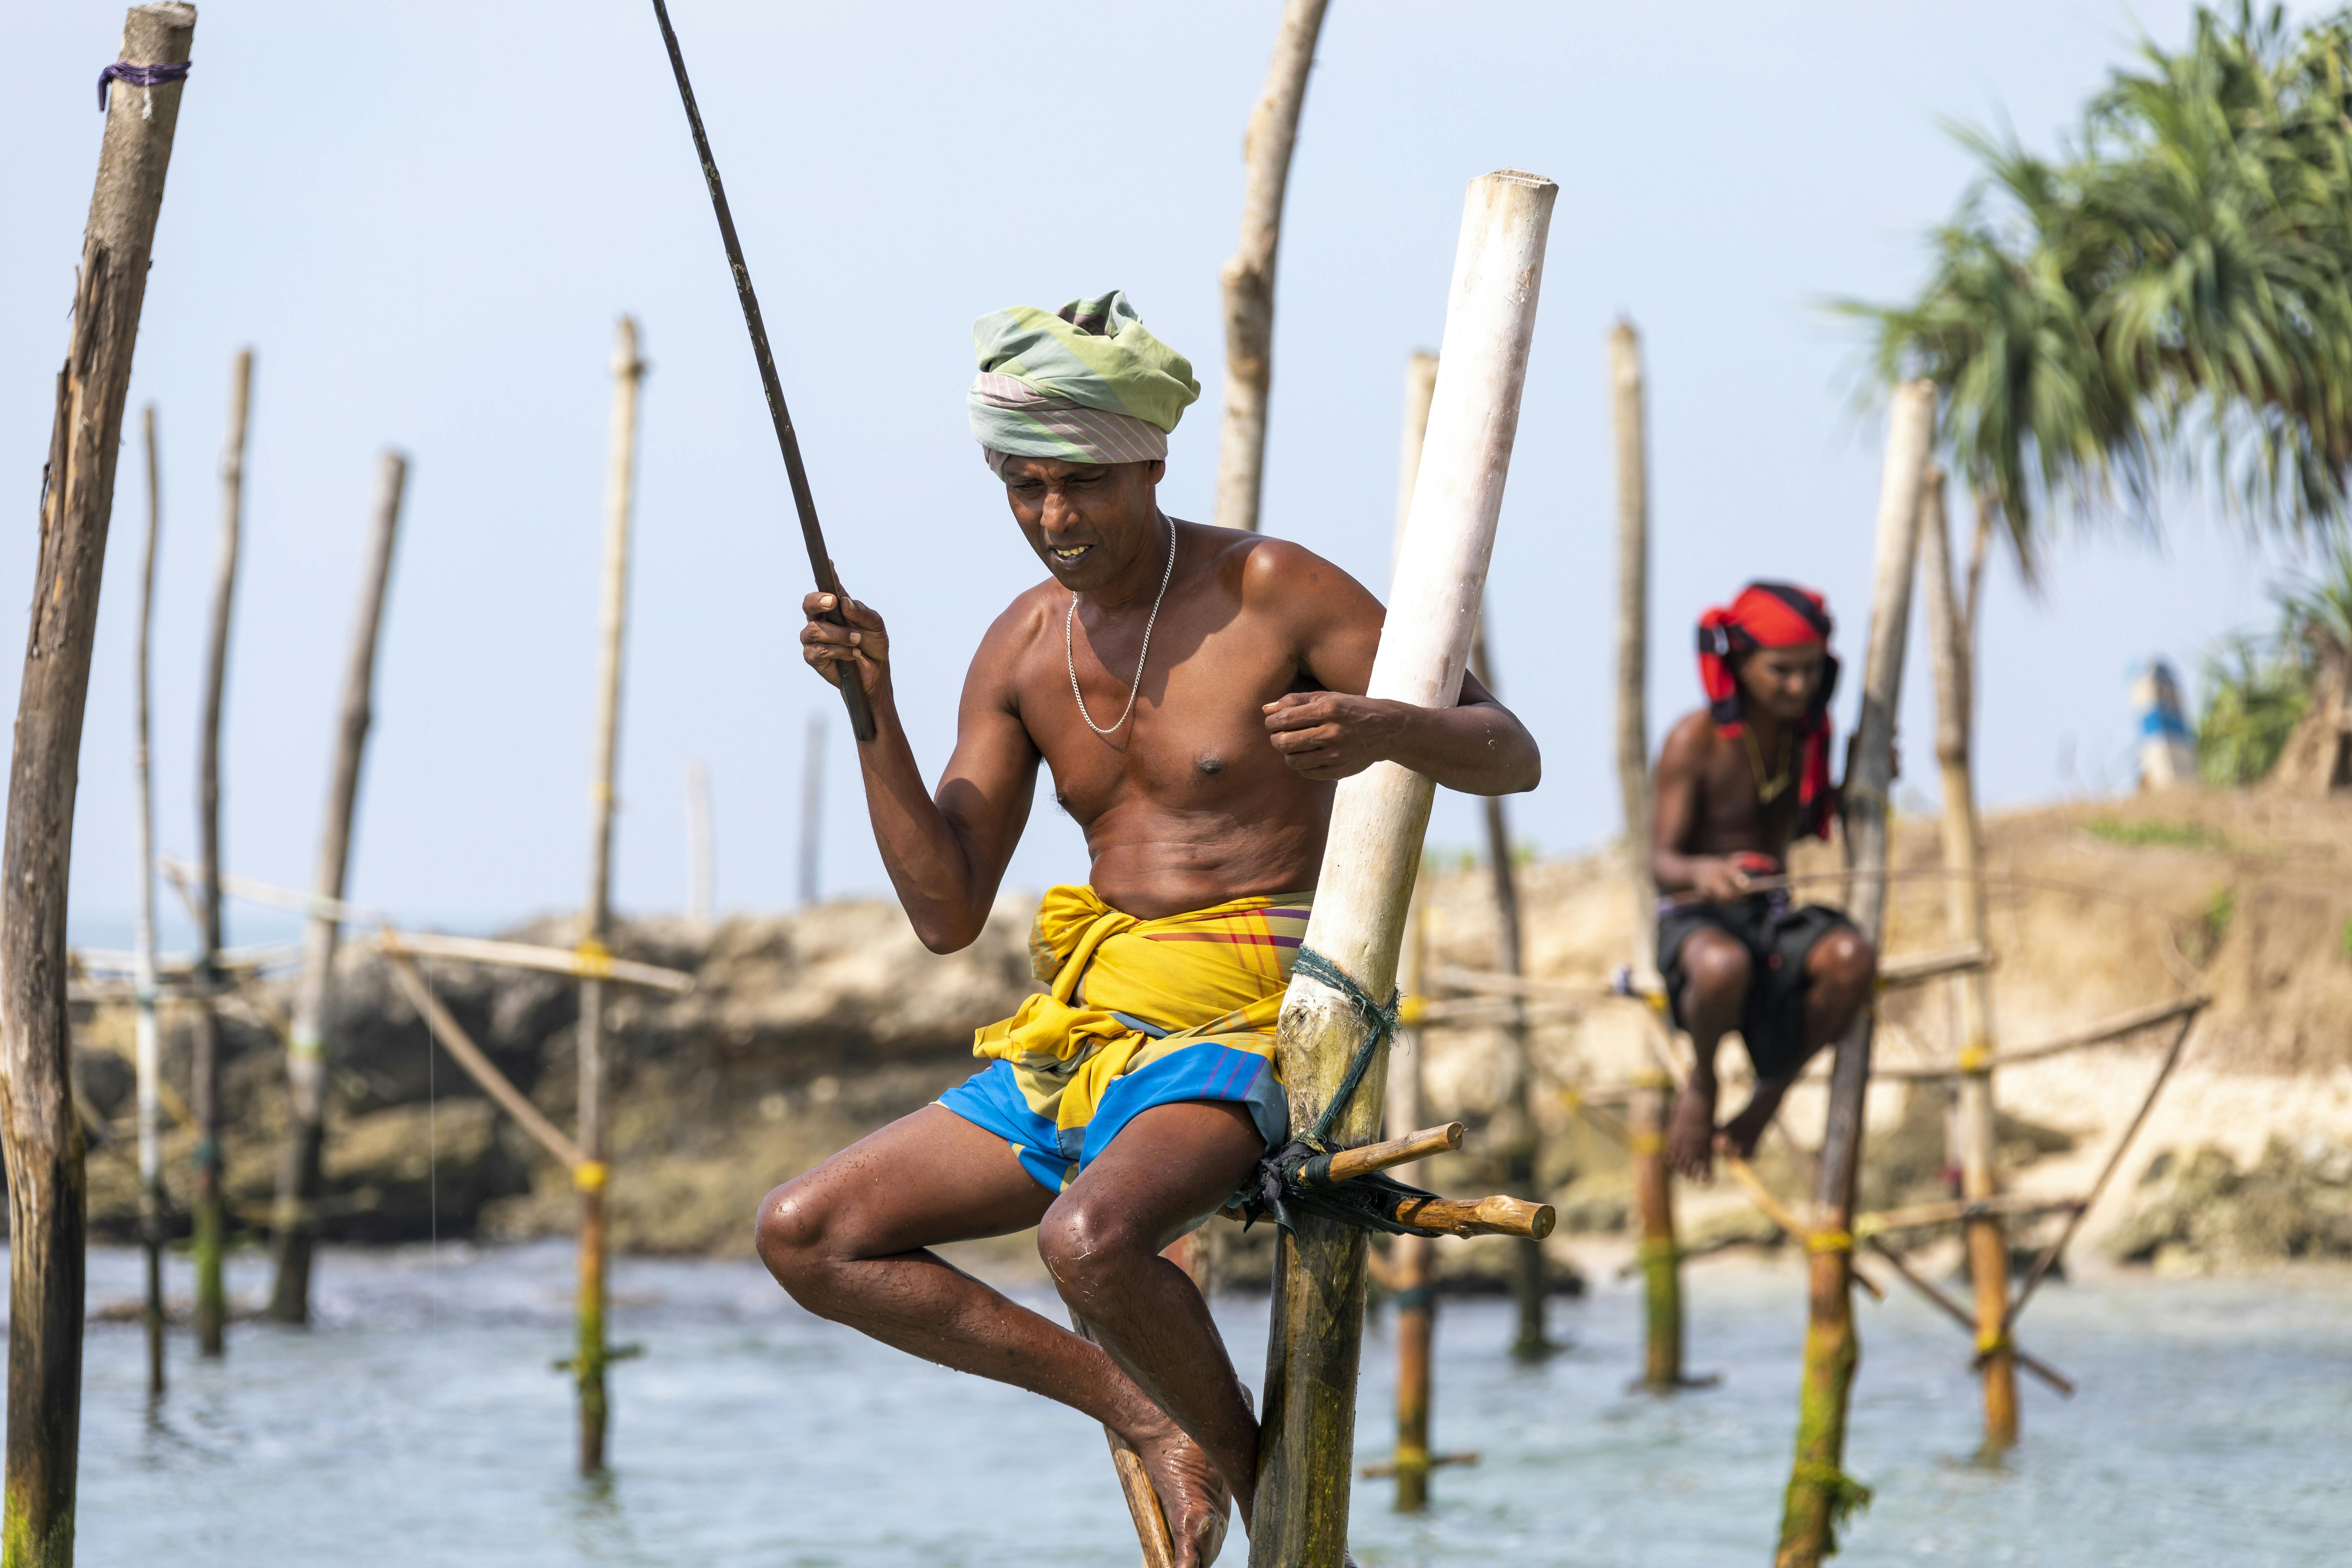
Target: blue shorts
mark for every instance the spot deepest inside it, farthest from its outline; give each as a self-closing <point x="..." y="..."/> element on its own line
<point x="991" y="1098"/>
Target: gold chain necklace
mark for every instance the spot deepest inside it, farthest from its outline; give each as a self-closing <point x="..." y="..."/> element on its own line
<point x="1769" y="787"/>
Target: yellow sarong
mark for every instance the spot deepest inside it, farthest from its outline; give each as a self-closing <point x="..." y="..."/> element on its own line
<point x="1138" y="1012"/>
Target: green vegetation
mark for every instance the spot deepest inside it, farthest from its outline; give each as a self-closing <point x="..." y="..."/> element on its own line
<point x="2257" y="689"/>
<point x="2180" y="835"/>
<point x="2344" y="940"/>
<point x="2169" y="291"/>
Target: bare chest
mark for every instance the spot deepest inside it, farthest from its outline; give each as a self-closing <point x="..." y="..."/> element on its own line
<point x="1195" y="742"/>
<point x="1748" y="795"/>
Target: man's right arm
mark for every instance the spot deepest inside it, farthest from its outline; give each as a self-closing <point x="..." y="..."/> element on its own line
<point x="1675" y="803"/>
<point x="946" y="853"/>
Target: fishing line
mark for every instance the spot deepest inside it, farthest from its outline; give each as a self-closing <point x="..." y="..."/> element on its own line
<point x="432" y="1177"/>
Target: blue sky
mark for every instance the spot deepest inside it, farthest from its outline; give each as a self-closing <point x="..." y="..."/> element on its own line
<point x="425" y="218"/>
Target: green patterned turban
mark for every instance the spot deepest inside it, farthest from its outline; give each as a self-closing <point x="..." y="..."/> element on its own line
<point x="1085" y="383"/>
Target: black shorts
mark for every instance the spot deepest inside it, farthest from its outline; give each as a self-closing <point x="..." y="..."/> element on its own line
<point x="1778" y="939"/>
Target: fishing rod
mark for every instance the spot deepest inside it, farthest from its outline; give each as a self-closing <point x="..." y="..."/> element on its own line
<point x="853" y="691"/>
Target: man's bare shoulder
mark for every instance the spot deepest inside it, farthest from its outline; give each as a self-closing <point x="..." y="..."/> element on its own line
<point x="1693" y="735"/>
<point x="1278" y="575"/>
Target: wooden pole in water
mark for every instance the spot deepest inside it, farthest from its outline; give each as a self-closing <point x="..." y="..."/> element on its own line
<point x="589" y="1175"/>
<point x="40" y="1136"/>
<point x="1653" y="1196"/>
<point x="1519" y="1138"/>
<point x="702" y="895"/>
<point x="209" y="1227"/>
<point x="811" y="812"/>
<point x="1820" y="1494"/>
<point x="1306" y="1435"/>
<point x="296" y="1217"/>
<point x="1248" y="275"/>
<point x="148" y="1050"/>
<point x="1964" y="905"/>
<point x="1414" y="1257"/>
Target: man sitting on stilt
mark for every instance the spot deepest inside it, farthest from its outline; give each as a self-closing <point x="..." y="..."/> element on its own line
<point x="1195" y="691"/>
<point x="1737" y="782"/>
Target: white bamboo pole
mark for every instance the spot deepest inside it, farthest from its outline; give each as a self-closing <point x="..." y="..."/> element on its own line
<point x="1248" y="276"/>
<point x="1964" y="906"/>
<point x="1820" y="1493"/>
<point x="702" y="896"/>
<point x="147" y="1050"/>
<point x="1374" y="847"/>
<point x="811" y="813"/>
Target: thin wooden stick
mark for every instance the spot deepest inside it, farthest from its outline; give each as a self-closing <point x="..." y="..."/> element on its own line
<point x="2057" y="1247"/>
<point x="811" y="845"/>
<point x="148" y="1049"/>
<point x="1349" y="1164"/>
<point x="1630" y="422"/>
<point x="1499" y="1215"/>
<point x="702" y="873"/>
<point x="1413" y="1257"/>
<point x="1781" y="1214"/>
<point x="1399" y="1467"/>
<point x="1966" y="1319"/>
<point x="1475" y="1011"/>
<point x="1248" y="276"/>
<point x="208" y="1241"/>
<point x="1818" y="1492"/>
<point x="1922" y="1216"/>
<point x="1902" y="970"/>
<point x="1373" y="851"/>
<point x="40" y="1136"/>
<point x="299" y="1176"/>
<point x="468" y="1055"/>
<point x="2101" y="1033"/>
<point x="591" y="1353"/>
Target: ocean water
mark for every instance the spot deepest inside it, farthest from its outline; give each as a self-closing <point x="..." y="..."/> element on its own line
<point x="419" y="1422"/>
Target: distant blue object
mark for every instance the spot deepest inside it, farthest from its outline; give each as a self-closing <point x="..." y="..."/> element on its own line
<point x="2168" y="758"/>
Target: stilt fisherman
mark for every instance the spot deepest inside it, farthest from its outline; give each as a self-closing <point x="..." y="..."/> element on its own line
<point x="1194" y="693"/>
<point x="1737" y="782"/>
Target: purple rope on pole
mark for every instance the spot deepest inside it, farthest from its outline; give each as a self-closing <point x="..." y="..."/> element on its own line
<point x="138" y="75"/>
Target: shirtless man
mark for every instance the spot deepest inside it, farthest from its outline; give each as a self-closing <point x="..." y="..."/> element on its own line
<point x="1737" y="782"/>
<point x="1195" y="691"/>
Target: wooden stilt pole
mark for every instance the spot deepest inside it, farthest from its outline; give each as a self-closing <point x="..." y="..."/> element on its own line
<point x="148" y="1049"/>
<point x="702" y="896"/>
<point x="589" y="1175"/>
<point x="296" y="1217"/>
<point x="811" y="812"/>
<point x="1519" y="1137"/>
<point x="1414" y="1257"/>
<point x="1653" y="1196"/>
<point x="1821" y="1493"/>
<point x="209" y="1229"/>
<point x="1248" y="276"/>
<point x="40" y="1136"/>
<point x="1987" y="1242"/>
<point x="1307" y="1432"/>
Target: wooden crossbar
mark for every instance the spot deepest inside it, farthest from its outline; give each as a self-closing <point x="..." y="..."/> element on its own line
<point x="1918" y="968"/>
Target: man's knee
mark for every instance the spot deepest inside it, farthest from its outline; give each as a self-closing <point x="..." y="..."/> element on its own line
<point x="796" y="1234"/>
<point x="1718" y="969"/>
<point x="1845" y="960"/>
<point x="1085" y="1243"/>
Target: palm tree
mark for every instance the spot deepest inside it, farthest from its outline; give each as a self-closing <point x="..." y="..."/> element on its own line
<point x="2170" y="296"/>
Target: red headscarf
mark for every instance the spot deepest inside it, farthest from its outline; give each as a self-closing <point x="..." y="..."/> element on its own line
<point x="1774" y="615"/>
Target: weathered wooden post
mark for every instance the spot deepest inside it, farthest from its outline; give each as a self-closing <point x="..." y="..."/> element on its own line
<point x="811" y="845"/>
<point x="1653" y="1196"/>
<point x="1248" y="276"/>
<point x="209" y="1220"/>
<point x="1518" y="1137"/>
<point x="702" y="900"/>
<point x="592" y="1353"/>
<point x="40" y="1136"/>
<point x="1964" y="905"/>
<point x="1414" y="1257"/>
<point x="1306" y="1435"/>
<point x="147" y="1051"/>
<point x="1821" y="1493"/>
<point x="296" y="1217"/>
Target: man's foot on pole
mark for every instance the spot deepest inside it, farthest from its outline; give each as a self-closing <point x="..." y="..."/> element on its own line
<point x="1193" y="1498"/>
<point x="1690" y="1135"/>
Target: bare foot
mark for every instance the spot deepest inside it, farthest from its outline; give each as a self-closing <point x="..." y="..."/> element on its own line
<point x="1193" y="1497"/>
<point x="1690" y="1134"/>
<point x="1739" y="1135"/>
